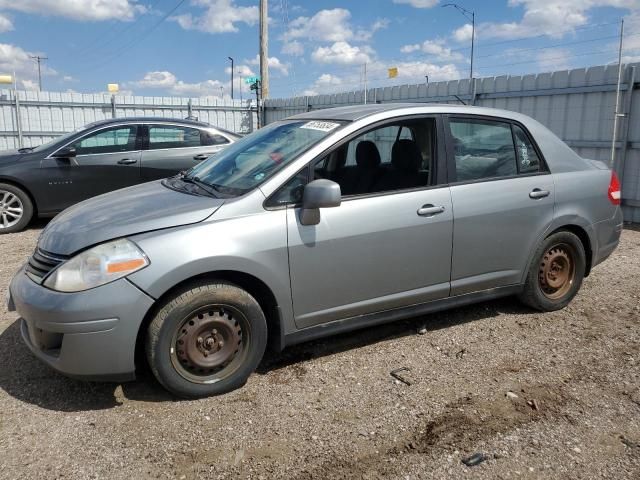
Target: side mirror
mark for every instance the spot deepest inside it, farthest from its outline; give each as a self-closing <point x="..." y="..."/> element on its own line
<point x="318" y="194"/>
<point x="66" y="152"/>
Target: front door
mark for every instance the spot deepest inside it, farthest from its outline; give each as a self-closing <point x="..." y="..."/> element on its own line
<point x="107" y="159"/>
<point x="503" y="199"/>
<point x="389" y="244"/>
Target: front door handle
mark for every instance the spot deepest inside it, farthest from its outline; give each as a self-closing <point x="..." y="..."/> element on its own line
<point x="202" y="156"/>
<point x="536" y="193"/>
<point x="127" y="161"/>
<point x="429" y="210"/>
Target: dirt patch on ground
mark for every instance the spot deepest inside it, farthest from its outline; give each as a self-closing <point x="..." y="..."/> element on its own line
<point x="552" y="395"/>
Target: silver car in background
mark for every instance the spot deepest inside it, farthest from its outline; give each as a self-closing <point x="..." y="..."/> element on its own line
<point x="325" y="222"/>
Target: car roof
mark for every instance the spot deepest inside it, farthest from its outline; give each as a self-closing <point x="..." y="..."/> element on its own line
<point x="151" y="119"/>
<point x="358" y="112"/>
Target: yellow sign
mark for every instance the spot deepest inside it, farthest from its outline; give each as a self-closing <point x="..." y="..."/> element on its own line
<point x="393" y="72"/>
<point x="113" y="88"/>
<point x="6" y="79"/>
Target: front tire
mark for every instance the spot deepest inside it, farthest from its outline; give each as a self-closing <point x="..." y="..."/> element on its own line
<point x="556" y="272"/>
<point x="206" y="340"/>
<point x="16" y="208"/>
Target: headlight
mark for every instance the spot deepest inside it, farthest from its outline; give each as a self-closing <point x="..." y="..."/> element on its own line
<point x="97" y="266"/>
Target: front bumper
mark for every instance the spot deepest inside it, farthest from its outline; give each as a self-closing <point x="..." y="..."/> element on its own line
<point x="90" y="334"/>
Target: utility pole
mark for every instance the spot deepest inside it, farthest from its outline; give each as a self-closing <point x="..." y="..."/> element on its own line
<point x="38" y="59"/>
<point x="240" y="83"/>
<point x="365" y="83"/>
<point x="470" y="15"/>
<point x="617" y="114"/>
<point x="264" y="49"/>
<point x="230" y="58"/>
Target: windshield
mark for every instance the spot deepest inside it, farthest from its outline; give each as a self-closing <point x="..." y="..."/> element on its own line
<point x="61" y="138"/>
<point x="250" y="161"/>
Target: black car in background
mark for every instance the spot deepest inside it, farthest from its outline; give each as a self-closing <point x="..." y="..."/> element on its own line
<point x="98" y="158"/>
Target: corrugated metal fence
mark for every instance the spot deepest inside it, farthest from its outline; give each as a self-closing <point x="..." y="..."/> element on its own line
<point x="45" y="115"/>
<point x="577" y="105"/>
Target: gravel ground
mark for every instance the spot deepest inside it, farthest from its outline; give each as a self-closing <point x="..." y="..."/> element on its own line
<point x="554" y="395"/>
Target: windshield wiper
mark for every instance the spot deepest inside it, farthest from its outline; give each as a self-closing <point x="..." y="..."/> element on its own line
<point x="210" y="189"/>
<point x="25" y="149"/>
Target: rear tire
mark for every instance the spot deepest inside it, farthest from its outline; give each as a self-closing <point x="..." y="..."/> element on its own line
<point x="16" y="209"/>
<point x="206" y="340"/>
<point x="556" y="272"/>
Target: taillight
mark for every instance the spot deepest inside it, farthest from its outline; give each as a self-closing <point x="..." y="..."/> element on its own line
<point x="614" y="189"/>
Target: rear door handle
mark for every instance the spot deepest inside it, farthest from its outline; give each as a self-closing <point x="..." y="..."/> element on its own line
<point x="127" y="161"/>
<point x="429" y="210"/>
<point x="202" y="156"/>
<point x="536" y="193"/>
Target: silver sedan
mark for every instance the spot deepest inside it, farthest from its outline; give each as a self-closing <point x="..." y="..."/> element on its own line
<point x="325" y="222"/>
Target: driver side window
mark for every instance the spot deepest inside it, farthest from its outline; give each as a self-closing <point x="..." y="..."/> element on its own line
<point x="393" y="157"/>
<point x="108" y="140"/>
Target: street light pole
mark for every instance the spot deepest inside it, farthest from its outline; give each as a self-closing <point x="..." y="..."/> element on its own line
<point x="230" y="58"/>
<point x="471" y="15"/>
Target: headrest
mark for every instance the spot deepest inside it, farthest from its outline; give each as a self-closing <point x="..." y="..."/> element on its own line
<point x="367" y="155"/>
<point x="406" y="156"/>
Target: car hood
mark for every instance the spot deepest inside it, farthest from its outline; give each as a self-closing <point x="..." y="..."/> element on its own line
<point x="146" y="207"/>
<point x="8" y="156"/>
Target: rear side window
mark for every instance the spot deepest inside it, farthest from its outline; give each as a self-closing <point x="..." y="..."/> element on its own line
<point x="211" y="138"/>
<point x="108" y="140"/>
<point x="167" y="136"/>
<point x="483" y="149"/>
<point x="528" y="159"/>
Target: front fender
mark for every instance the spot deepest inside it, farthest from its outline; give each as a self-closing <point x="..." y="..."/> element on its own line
<point x="255" y="245"/>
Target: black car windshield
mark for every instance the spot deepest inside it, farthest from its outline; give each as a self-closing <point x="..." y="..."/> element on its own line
<point x="250" y="161"/>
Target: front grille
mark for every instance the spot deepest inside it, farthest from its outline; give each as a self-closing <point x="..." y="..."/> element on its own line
<point x="41" y="263"/>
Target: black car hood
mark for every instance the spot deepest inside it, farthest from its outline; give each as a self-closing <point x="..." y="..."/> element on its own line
<point x="9" y="156"/>
<point x="146" y="207"/>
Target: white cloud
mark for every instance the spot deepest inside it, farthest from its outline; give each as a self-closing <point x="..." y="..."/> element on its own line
<point x="417" y="70"/>
<point x="554" y="59"/>
<point x="293" y="48"/>
<point x="221" y="16"/>
<point x="15" y="59"/>
<point x="242" y="70"/>
<point x="342" y="53"/>
<point x="274" y="64"/>
<point x="94" y="10"/>
<point x="330" y="26"/>
<point x="326" y="83"/>
<point x="326" y="25"/>
<point x="435" y="48"/>
<point x="463" y="34"/>
<point x="631" y="44"/>
<point x="543" y="17"/>
<point x="6" y="25"/>
<point x="418" y="3"/>
<point x="167" y="81"/>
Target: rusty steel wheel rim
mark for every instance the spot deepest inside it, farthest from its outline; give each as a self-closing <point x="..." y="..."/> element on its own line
<point x="557" y="271"/>
<point x="210" y="344"/>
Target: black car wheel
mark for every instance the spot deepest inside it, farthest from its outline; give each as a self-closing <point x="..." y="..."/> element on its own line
<point x="556" y="272"/>
<point x="206" y="340"/>
<point x="16" y="208"/>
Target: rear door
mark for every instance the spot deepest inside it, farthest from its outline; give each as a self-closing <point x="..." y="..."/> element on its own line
<point x="169" y="149"/>
<point x="503" y="201"/>
<point x="106" y="159"/>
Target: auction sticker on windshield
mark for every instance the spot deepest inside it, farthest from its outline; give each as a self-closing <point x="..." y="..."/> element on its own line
<point x="321" y="126"/>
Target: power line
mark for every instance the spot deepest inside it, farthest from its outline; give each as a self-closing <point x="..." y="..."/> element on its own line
<point x="101" y="62"/>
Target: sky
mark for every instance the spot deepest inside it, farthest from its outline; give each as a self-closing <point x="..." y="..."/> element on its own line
<point x="181" y="47"/>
